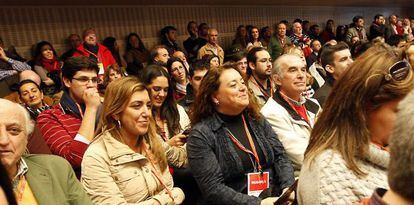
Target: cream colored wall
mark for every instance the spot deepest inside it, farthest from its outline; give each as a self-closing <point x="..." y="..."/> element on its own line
<point x="24" y="26"/>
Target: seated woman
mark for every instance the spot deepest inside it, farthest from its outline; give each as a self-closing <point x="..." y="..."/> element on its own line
<point x="126" y="163"/>
<point x="347" y="155"/>
<point x="112" y="45"/>
<point x="135" y="53"/>
<point x="113" y="72"/>
<point x="179" y="79"/>
<point x="254" y="40"/>
<point x="48" y="67"/>
<point x="32" y="98"/>
<point x="230" y="139"/>
<point x="171" y="118"/>
<point x="212" y="60"/>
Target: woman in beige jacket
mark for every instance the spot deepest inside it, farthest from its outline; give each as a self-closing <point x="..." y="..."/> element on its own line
<point x="126" y="163"/>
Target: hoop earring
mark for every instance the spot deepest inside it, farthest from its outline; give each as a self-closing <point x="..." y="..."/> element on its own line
<point x="119" y="123"/>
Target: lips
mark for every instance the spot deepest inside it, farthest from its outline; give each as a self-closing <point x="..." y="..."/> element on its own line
<point x="5" y="152"/>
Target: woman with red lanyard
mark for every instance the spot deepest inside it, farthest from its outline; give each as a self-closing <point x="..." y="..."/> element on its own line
<point x="232" y="150"/>
<point x="126" y="163"/>
<point x="48" y="67"/>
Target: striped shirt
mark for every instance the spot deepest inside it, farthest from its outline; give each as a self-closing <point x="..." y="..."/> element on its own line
<point x="16" y="66"/>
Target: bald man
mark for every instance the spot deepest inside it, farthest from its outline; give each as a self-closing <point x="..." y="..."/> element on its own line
<point x="212" y="47"/>
<point x="37" y="179"/>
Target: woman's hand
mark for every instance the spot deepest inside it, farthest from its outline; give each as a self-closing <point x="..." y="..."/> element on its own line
<point x="178" y="195"/>
<point x="177" y="140"/>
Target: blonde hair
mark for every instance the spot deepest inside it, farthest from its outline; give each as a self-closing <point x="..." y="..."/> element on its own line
<point x="342" y="125"/>
<point x="117" y="97"/>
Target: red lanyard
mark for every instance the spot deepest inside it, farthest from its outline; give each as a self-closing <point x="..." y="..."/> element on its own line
<point x="264" y="92"/>
<point x="96" y="56"/>
<point x="243" y="148"/>
<point x="19" y="193"/>
<point x="155" y="172"/>
<point x="306" y="118"/>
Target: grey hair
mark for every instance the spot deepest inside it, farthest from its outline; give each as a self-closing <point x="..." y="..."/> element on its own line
<point x="28" y="121"/>
<point x="401" y="167"/>
<point x="283" y="59"/>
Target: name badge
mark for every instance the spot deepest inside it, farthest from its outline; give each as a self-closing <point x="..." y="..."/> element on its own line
<point x="101" y="68"/>
<point x="257" y="182"/>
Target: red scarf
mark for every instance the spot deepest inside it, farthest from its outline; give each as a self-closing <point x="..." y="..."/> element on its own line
<point x="51" y="65"/>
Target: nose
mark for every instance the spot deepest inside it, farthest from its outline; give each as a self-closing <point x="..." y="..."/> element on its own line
<point x="4" y="139"/>
<point x="162" y="93"/>
<point x="350" y="61"/>
<point x="145" y="111"/>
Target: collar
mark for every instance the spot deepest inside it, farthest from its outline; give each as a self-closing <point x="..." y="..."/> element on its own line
<point x="376" y="198"/>
<point x="119" y="151"/>
<point x="21" y="170"/>
<point x="378" y="156"/>
<point x="309" y="104"/>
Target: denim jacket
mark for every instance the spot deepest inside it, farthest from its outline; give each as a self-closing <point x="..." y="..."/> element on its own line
<point x="218" y="169"/>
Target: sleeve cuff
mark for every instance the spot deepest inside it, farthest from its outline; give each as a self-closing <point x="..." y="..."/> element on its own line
<point x="9" y="60"/>
<point x="81" y="138"/>
<point x="162" y="199"/>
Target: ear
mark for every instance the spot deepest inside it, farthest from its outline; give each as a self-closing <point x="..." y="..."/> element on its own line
<point x="330" y="69"/>
<point x="214" y="98"/>
<point x="252" y="65"/>
<point x="67" y="82"/>
<point x="277" y="79"/>
<point x="115" y="117"/>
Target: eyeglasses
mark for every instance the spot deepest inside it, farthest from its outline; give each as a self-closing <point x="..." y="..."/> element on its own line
<point x="85" y="80"/>
<point x="398" y="71"/>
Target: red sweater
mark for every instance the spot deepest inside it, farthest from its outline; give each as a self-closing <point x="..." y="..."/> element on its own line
<point x="59" y="130"/>
<point x="104" y="55"/>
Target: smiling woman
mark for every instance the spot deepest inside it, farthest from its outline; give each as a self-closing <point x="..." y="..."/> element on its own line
<point x="126" y="163"/>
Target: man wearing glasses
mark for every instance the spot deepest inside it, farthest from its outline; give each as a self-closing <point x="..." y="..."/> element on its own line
<point x="69" y="126"/>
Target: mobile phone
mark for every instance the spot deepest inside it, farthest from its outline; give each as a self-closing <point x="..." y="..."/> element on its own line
<point x="186" y="131"/>
<point x="285" y="196"/>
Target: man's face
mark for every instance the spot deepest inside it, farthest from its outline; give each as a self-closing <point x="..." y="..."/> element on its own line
<point x="180" y="55"/>
<point x="360" y="23"/>
<point x="193" y="29"/>
<point x="281" y="30"/>
<point x="212" y="37"/>
<point x="13" y="135"/>
<point x="393" y="19"/>
<point x="162" y="56"/>
<point x="90" y="39"/>
<point x="171" y="35"/>
<point x="204" y="30"/>
<point x="197" y="78"/>
<point x="292" y="78"/>
<point x="380" y="20"/>
<point x="410" y="55"/>
<point x="31" y="95"/>
<point x="74" y="41"/>
<point x="297" y="28"/>
<point x="412" y="23"/>
<point x="317" y="30"/>
<point x="263" y="66"/>
<point x="342" y="61"/>
<point x="316" y="46"/>
<point x="82" y="80"/>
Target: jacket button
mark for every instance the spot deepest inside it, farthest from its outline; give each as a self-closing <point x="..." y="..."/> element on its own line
<point x="135" y="172"/>
<point x="116" y="178"/>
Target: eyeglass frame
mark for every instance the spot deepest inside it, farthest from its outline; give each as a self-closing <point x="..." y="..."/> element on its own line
<point x="86" y="80"/>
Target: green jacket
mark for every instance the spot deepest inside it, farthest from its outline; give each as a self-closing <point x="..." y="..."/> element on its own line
<point x="53" y="181"/>
<point x="274" y="47"/>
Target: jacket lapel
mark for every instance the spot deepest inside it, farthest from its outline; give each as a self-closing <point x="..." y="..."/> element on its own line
<point x="40" y="183"/>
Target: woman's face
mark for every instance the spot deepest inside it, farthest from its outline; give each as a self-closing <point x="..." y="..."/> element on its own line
<point x="232" y="96"/>
<point x="47" y="52"/>
<point x="113" y="75"/>
<point x="242" y="65"/>
<point x="255" y="33"/>
<point x="134" y="42"/>
<point x="178" y="72"/>
<point x="31" y="95"/>
<point x="381" y="122"/>
<point x="135" y="118"/>
<point x="159" y="91"/>
<point x="214" y="62"/>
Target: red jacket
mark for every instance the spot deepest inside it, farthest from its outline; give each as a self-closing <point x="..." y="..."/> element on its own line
<point x="59" y="130"/>
<point x="104" y="55"/>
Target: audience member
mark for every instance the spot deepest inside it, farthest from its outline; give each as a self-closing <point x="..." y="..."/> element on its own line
<point x="32" y="98"/>
<point x="241" y="37"/>
<point x="259" y="70"/>
<point x="169" y="38"/>
<point x="347" y="155"/>
<point x="69" y="127"/>
<point x="313" y="57"/>
<point x="254" y="40"/>
<point x="180" y="55"/>
<point x="335" y="59"/>
<point x="135" y="52"/>
<point x="391" y="28"/>
<point x="356" y="30"/>
<point x="400" y="168"/>
<point x="126" y="163"/>
<point x="95" y="51"/>
<point x="315" y="32"/>
<point x="179" y="78"/>
<point x="329" y="32"/>
<point x="196" y="75"/>
<point x="112" y="73"/>
<point x="278" y="41"/>
<point x="48" y="67"/>
<point x="240" y="61"/>
<point x="212" y="60"/>
<point x="265" y="35"/>
<point x="298" y="38"/>
<point x="36" y="179"/>
<point x="341" y="31"/>
<point x="290" y="114"/>
<point x="159" y="56"/>
<point x="112" y="45"/>
<point x="191" y="44"/>
<point x="212" y="46"/>
<point x="72" y="42"/>
<point x="230" y="140"/>
<point x="202" y="35"/>
<point x="377" y="27"/>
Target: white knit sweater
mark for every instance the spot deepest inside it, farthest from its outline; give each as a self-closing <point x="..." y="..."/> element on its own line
<point x="329" y="181"/>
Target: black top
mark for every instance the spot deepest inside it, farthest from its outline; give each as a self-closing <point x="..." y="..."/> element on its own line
<point x="235" y="125"/>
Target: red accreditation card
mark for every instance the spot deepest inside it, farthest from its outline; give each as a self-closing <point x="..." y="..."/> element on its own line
<point x="257" y="182"/>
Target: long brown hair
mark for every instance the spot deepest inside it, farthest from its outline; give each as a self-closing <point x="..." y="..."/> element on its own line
<point x="203" y="105"/>
<point x="117" y="97"/>
<point x="342" y="126"/>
